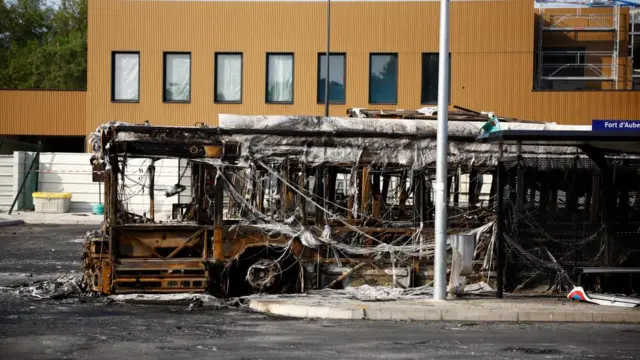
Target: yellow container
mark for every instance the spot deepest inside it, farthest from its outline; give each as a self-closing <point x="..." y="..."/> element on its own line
<point x="51" y="195"/>
<point x="52" y="202"/>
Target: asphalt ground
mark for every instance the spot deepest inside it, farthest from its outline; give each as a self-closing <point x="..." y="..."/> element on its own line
<point x="100" y="329"/>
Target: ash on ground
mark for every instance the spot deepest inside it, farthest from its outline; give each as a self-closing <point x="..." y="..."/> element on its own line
<point x="65" y="287"/>
<point x="70" y="288"/>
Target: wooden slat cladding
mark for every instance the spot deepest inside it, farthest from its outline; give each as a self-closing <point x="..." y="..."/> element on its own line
<point x="492" y="46"/>
<point x="42" y="112"/>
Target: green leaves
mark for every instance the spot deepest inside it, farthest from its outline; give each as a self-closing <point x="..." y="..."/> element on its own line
<point x="42" y="47"/>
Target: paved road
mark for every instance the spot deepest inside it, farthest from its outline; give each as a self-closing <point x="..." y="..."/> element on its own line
<point x="48" y="329"/>
<point x="28" y="252"/>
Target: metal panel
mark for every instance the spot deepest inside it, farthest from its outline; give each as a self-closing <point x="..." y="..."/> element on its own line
<point x="42" y="112"/>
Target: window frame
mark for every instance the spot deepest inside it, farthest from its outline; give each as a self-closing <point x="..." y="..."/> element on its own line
<point x="422" y="55"/>
<point x="293" y="79"/>
<point x="164" y="76"/>
<point x="113" y="76"/>
<point x="215" y="78"/>
<point x="371" y="55"/>
<point x="344" y="56"/>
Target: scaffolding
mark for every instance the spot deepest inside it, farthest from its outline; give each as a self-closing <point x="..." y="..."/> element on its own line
<point x="578" y="65"/>
<point x="634" y="41"/>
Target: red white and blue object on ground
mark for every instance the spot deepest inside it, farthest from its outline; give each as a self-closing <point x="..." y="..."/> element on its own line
<point x="578" y="294"/>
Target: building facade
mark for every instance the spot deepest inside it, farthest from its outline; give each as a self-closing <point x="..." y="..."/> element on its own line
<point x="180" y="62"/>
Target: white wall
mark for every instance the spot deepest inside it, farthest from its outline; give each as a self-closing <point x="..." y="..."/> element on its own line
<point x="66" y="172"/>
<point x="63" y="172"/>
<point x="6" y="182"/>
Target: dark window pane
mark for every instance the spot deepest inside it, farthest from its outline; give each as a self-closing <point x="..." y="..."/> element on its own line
<point x="430" y="73"/>
<point x="383" y="79"/>
<point x="336" y="78"/>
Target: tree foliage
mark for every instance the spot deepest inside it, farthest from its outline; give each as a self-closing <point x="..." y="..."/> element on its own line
<point x="43" y="47"/>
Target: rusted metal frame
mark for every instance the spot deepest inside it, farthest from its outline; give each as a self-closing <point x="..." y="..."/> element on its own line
<point x="376" y="204"/>
<point x="218" y="220"/>
<point x="345" y="275"/>
<point x="320" y="194"/>
<point x="456" y="187"/>
<point x="177" y="250"/>
<point x="260" y="189"/>
<point x="403" y="196"/>
<point x="231" y="201"/>
<point x="382" y="272"/>
<point x="366" y="190"/>
<point x="286" y="195"/>
<point x="272" y="206"/>
<point x="369" y="230"/>
<point x="160" y="265"/>
<point x="200" y="192"/>
<point x="472" y="194"/>
<point x="385" y="188"/>
<point x="142" y="243"/>
<point x="301" y="201"/>
<point x="161" y="290"/>
<point x="332" y="178"/>
<point x="421" y="192"/>
<point x="152" y="181"/>
<point x="113" y="203"/>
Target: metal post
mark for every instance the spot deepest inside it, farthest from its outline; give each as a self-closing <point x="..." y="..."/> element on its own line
<point x="26" y="176"/>
<point x="500" y="177"/>
<point x="326" y="79"/>
<point x="152" y="200"/>
<point x="616" y="45"/>
<point x="440" y="260"/>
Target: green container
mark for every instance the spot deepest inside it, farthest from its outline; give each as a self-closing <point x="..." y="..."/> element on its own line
<point x="98" y="209"/>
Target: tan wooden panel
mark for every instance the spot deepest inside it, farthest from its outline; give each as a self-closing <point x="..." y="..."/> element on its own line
<point x="492" y="46"/>
<point x="36" y="112"/>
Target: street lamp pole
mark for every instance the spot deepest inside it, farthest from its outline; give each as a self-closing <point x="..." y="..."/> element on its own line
<point x="326" y="78"/>
<point x="440" y="258"/>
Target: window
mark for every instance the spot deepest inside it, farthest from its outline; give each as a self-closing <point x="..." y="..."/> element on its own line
<point x="228" y="78"/>
<point x="383" y="79"/>
<point x="177" y="77"/>
<point x="125" y="76"/>
<point x="336" y="77"/>
<point x="280" y="78"/>
<point x="430" y="73"/>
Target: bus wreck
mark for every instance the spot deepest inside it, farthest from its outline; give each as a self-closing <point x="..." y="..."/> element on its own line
<point x="283" y="204"/>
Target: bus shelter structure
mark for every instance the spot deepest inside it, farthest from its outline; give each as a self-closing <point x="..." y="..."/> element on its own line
<point x="560" y="217"/>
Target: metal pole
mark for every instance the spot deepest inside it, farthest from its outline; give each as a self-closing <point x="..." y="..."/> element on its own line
<point x="440" y="261"/>
<point x="26" y="176"/>
<point x="326" y="79"/>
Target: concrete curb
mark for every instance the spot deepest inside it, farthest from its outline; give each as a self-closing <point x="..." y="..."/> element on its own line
<point x="440" y="313"/>
<point x="4" y="223"/>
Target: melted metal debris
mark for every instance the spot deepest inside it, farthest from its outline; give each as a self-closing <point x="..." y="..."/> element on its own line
<point x="58" y="289"/>
<point x="374" y="293"/>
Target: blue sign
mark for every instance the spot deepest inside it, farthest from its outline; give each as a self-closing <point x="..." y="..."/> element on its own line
<point x="615" y="125"/>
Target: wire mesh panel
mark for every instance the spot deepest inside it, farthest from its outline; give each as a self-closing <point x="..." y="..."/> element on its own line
<point x="623" y="206"/>
<point x="554" y="219"/>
